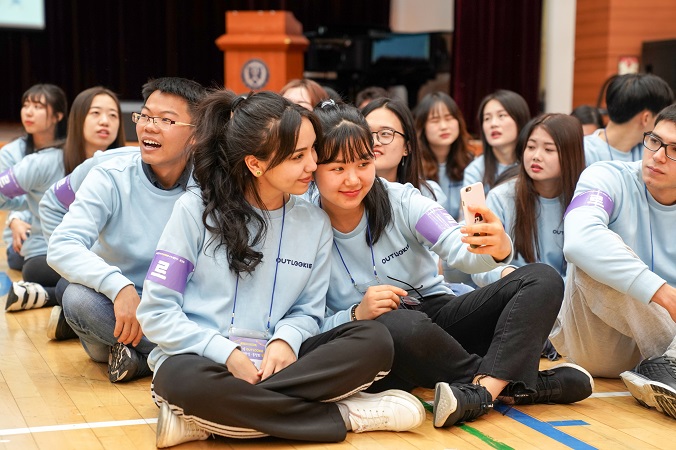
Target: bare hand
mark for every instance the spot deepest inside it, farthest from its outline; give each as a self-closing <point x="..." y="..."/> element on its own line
<point x="379" y="300"/>
<point x="666" y="298"/>
<point x="20" y="232"/>
<point x="278" y="355"/>
<point x="127" y="328"/>
<point x="490" y="235"/>
<point x="240" y="366"/>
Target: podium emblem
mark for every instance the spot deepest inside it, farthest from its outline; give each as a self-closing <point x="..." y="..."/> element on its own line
<point x="255" y="74"/>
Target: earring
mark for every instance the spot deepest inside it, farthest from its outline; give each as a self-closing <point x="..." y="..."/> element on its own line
<point x="259" y="173"/>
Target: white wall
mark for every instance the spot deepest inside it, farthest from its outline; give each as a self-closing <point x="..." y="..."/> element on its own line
<point x="421" y="16"/>
<point x="558" y="54"/>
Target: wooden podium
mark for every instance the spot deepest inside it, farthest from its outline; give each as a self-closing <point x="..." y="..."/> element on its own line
<point x="263" y="50"/>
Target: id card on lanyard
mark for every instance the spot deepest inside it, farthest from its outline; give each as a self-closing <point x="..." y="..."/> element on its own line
<point x="251" y="342"/>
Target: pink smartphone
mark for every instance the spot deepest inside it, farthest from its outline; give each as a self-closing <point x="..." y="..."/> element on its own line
<point x="472" y="195"/>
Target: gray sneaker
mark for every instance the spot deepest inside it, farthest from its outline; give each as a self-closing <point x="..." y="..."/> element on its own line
<point x="653" y="384"/>
<point x="173" y="429"/>
<point x="126" y="364"/>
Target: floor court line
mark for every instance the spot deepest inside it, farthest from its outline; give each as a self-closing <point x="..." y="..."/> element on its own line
<point x="76" y="426"/>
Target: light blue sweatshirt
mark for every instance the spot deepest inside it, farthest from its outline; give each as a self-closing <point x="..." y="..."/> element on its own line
<point x="618" y="233"/>
<point x="23" y="185"/>
<point x="474" y="172"/>
<point x="56" y="201"/>
<point x="403" y="252"/>
<point x="10" y="155"/>
<point x="189" y="293"/>
<point x="596" y="149"/>
<point x="451" y="189"/>
<point x="500" y="200"/>
<point x="109" y="236"/>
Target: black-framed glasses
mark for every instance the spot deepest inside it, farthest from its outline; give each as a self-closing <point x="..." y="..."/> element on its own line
<point x="386" y="135"/>
<point x="162" y="122"/>
<point x="654" y="143"/>
<point x="408" y="302"/>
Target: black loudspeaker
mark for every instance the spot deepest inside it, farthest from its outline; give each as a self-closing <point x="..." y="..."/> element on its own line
<point x="659" y="58"/>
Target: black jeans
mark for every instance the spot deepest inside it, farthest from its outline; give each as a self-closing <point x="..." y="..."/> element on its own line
<point x="497" y="330"/>
<point x="296" y="402"/>
<point x="37" y="270"/>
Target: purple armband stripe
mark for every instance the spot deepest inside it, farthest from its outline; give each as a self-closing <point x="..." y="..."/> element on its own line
<point x="596" y="198"/>
<point x="9" y="187"/>
<point x="434" y="222"/>
<point x="170" y="270"/>
<point x="64" y="192"/>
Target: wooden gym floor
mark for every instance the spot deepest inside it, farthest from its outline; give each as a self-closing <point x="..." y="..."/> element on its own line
<point x="52" y="396"/>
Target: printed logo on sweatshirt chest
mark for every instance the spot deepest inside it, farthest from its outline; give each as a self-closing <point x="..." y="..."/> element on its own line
<point x="295" y="263"/>
<point x="395" y="254"/>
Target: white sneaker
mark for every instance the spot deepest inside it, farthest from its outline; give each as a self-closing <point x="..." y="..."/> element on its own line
<point x="173" y="430"/>
<point x="25" y="295"/>
<point x="391" y="410"/>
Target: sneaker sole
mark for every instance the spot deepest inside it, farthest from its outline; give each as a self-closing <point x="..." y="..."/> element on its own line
<point x="53" y="322"/>
<point x="162" y="422"/>
<point x="649" y="393"/>
<point x="445" y="404"/>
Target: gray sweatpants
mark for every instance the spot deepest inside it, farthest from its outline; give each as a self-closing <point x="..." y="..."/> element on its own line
<point x="606" y="331"/>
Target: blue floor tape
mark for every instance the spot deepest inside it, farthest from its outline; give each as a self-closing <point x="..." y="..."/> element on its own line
<point x="543" y="427"/>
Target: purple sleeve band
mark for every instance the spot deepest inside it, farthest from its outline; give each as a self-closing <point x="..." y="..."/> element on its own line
<point x="9" y="187"/>
<point x="64" y="192"/>
<point x="592" y="198"/>
<point x="434" y="222"/>
<point x="170" y="270"/>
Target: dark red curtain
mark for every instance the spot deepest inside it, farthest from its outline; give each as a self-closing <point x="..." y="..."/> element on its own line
<point x="496" y="45"/>
<point x="122" y="43"/>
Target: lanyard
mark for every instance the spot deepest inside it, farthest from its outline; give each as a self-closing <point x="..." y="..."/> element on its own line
<point x="650" y="225"/>
<point x="274" y="282"/>
<point x="373" y="259"/>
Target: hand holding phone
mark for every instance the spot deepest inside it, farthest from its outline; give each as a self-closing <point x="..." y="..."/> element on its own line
<point x="473" y="195"/>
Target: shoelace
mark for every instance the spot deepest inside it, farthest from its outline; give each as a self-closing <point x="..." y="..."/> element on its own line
<point x="369" y="419"/>
<point x="476" y="405"/>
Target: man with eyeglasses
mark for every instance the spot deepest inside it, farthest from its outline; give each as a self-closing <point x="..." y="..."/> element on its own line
<point x="619" y="311"/>
<point x="632" y="101"/>
<point x="105" y="243"/>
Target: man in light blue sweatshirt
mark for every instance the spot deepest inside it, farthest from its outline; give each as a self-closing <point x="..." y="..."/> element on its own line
<point x="620" y="301"/>
<point x="633" y="101"/>
<point x="107" y="240"/>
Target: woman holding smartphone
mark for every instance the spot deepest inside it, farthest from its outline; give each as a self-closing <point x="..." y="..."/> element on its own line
<point x="531" y="206"/>
<point x="502" y="115"/>
<point x="486" y="342"/>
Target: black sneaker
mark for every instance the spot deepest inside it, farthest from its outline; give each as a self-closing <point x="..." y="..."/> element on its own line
<point x="563" y="383"/>
<point x="57" y="328"/>
<point x="126" y="364"/>
<point x="653" y="384"/>
<point x="457" y="403"/>
<point x="25" y="295"/>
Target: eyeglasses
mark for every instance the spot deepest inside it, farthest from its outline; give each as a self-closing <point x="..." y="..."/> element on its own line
<point x="408" y="302"/>
<point x="653" y="143"/>
<point x="386" y="135"/>
<point x="162" y="122"/>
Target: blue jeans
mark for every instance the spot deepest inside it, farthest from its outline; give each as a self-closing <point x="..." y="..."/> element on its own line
<point x="92" y="316"/>
<point x="497" y="330"/>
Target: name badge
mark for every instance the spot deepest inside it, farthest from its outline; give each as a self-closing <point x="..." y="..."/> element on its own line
<point x="251" y="343"/>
